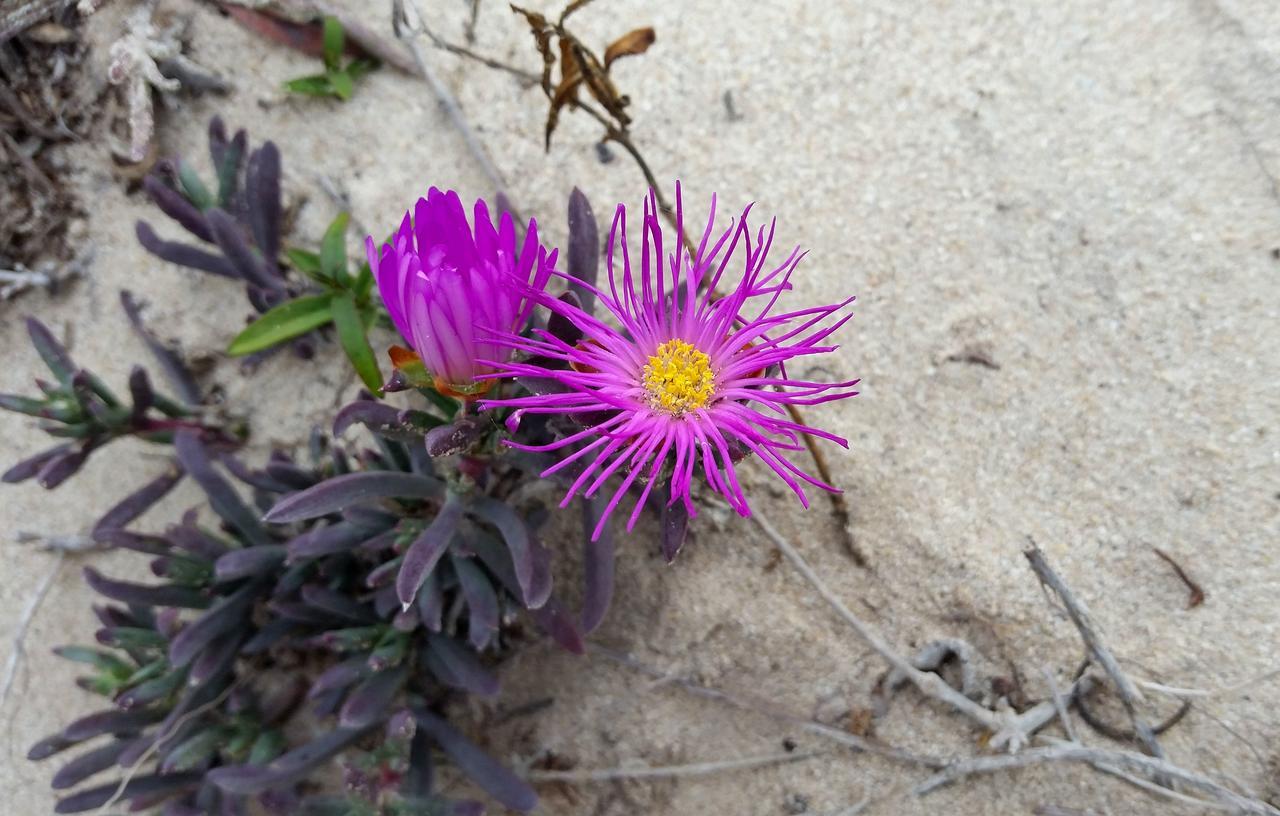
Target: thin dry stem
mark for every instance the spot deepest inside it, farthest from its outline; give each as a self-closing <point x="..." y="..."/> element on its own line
<point x="24" y="623"/>
<point x="1089" y="633"/>
<point x="1105" y="760"/>
<point x="406" y="19"/>
<point x="155" y="746"/>
<point x="770" y="710"/>
<point x="670" y="771"/>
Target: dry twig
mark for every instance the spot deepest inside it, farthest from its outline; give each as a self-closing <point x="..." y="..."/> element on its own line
<point x="24" y="623"/>
<point x="1103" y="759"/>
<point x="1084" y="623"/>
<point x="669" y="771"/>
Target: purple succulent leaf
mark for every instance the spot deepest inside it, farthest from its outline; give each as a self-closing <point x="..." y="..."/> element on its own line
<point x="558" y="623"/>
<point x="136" y="542"/>
<point x="137" y="787"/>
<point x="340" y="492"/>
<point x="137" y="502"/>
<point x="456" y="665"/>
<point x="583" y="256"/>
<point x="597" y="567"/>
<point x="110" y="721"/>
<point x="178" y="207"/>
<point x="419" y="776"/>
<point x="188" y="536"/>
<point x="386" y="602"/>
<point x="47" y="747"/>
<point x="560" y="326"/>
<point x="175" y="370"/>
<point x="340" y="676"/>
<point x="222" y="496"/>
<point x="140" y="392"/>
<point x="426" y="549"/>
<point x="500" y="783"/>
<point x="482" y="601"/>
<point x="53" y="353"/>
<point x="287" y="768"/>
<point x="217" y="140"/>
<point x="289" y="474"/>
<point x="431" y="602"/>
<point x="144" y="595"/>
<point x="262" y="199"/>
<point x="248" y="562"/>
<point x="269" y="635"/>
<point x="514" y="533"/>
<point x="368" y="703"/>
<point x="375" y="415"/>
<point x="337" y="603"/>
<point x="183" y="254"/>
<point x="34" y="464"/>
<point x="675" y="529"/>
<point x="327" y="540"/>
<point x="540" y="584"/>
<point x="231" y="240"/>
<point x="230" y="614"/>
<point x="152" y="690"/>
<point x="455" y="437"/>
<point x="401" y="725"/>
<point x="60" y="468"/>
<point x="251" y="477"/>
<point x="370" y="519"/>
<point x="217" y="659"/>
<point x="88" y="764"/>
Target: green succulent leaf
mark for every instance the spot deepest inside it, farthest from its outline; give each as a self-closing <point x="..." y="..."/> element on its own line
<point x="342" y="84"/>
<point x="351" y="334"/>
<point x="316" y="85"/>
<point x="285" y="322"/>
<point x="333" y="251"/>
<point x="333" y="42"/>
<point x="193" y="187"/>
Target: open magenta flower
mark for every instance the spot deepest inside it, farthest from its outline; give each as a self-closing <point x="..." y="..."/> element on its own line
<point x="454" y="294"/>
<point x="690" y="375"/>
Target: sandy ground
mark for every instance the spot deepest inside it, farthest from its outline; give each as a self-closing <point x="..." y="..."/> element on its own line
<point x="1084" y="193"/>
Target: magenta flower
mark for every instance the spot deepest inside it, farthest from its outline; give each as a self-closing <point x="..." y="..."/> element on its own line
<point x="454" y="295"/>
<point x="691" y="376"/>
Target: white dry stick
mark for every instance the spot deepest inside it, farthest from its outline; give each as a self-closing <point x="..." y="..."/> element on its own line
<point x="1084" y="623"/>
<point x="1009" y="729"/>
<point x="758" y="707"/>
<point x="1102" y="759"/>
<point x="24" y="623"/>
<point x="406" y="19"/>
<point x="669" y="771"/>
<point x="1060" y="704"/>
<point x="1223" y="691"/>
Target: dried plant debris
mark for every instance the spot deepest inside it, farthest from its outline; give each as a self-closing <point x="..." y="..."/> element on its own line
<point x="581" y="67"/>
<point x="150" y="56"/>
<point x="45" y="102"/>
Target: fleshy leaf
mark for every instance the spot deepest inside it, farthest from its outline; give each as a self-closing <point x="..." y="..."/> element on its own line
<point x="497" y="781"/>
<point x="290" y="319"/>
<point x="351" y="334"/>
<point x="340" y="492"/>
<point x="426" y="549"/>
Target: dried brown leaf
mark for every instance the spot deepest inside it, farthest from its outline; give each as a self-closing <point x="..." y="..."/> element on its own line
<point x="567" y="90"/>
<point x="542" y="33"/>
<point x="629" y="44"/>
<point x="600" y="85"/>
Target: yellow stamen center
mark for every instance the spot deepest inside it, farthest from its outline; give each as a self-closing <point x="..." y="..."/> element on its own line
<point x="678" y="378"/>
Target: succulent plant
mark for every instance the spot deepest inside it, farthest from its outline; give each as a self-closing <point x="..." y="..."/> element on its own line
<point x="257" y="629"/>
<point x="80" y="407"/>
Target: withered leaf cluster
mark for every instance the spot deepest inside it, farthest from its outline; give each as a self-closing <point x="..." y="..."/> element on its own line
<point x="580" y="66"/>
